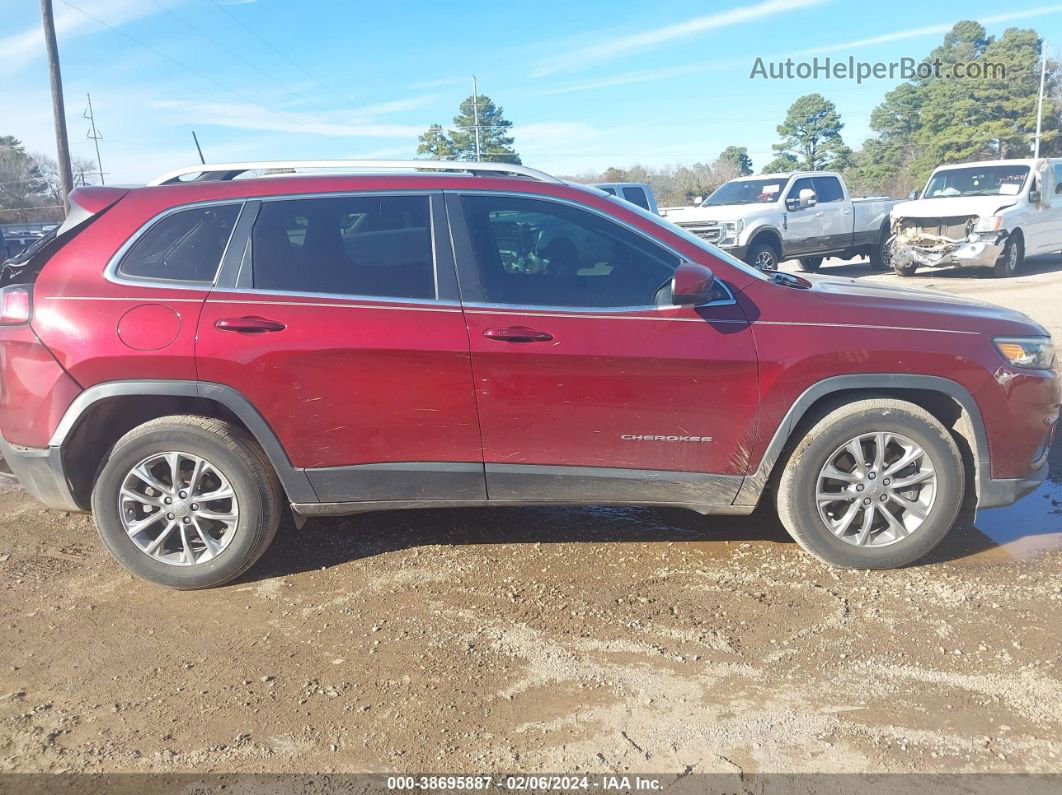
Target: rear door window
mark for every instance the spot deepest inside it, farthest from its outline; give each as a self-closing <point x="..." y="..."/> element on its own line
<point x="184" y="246"/>
<point x="375" y="246"/>
<point x="827" y="189"/>
<point x="636" y="196"/>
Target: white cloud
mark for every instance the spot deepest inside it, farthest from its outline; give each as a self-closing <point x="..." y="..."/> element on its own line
<point x="624" y="45"/>
<point x="245" y="116"/>
<point x="21" y="48"/>
<point x="648" y="75"/>
<point x="915" y="33"/>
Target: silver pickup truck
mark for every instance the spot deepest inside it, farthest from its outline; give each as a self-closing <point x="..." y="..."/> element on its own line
<point x="804" y="215"/>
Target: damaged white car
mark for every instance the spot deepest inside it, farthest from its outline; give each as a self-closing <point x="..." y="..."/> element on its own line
<point x="989" y="214"/>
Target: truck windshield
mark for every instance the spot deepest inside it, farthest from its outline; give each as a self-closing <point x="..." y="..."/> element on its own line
<point x="747" y="191"/>
<point x="977" y="181"/>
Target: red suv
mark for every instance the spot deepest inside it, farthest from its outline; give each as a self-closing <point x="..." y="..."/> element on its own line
<point x="188" y="359"/>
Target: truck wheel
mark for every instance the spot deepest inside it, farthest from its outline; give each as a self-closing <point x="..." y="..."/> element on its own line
<point x="810" y="264"/>
<point x="186" y="501"/>
<point x="1013" y="256"/>
<point x="874" y="484"/>
<point x="880" y="255"/>
<point x="762" y="256"/>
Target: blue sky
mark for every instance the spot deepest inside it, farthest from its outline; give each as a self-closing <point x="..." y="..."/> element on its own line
<point x="588" y="84"/>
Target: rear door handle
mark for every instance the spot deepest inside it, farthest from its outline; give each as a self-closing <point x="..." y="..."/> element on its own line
<point x="517" y="334"/>
<point x="252" y="324"/>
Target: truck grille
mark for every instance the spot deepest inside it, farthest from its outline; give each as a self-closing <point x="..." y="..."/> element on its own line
<point x="954" y="227"/>
<point x="713" y="233"/>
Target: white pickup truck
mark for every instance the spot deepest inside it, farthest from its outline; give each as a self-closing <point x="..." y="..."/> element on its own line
<point x="805" y="215"/>
<point x="990" y="214"/>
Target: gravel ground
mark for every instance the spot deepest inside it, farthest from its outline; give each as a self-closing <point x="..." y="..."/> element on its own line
<point x="546" y="639"/>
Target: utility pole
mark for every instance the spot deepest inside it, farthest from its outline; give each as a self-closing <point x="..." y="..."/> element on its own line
<point x="475" y="113"/>
<point x="1040" y="101"/>
<point x="66" y="178"/>
<point x="94" y="134"/>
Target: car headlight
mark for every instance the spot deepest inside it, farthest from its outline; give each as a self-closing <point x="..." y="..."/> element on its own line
<point x="989" y="223"/>
<point x="731" y="229"/>
<point x="1037" y="353"/>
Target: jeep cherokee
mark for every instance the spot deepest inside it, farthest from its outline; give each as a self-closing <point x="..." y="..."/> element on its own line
<point x="191" y="359"/>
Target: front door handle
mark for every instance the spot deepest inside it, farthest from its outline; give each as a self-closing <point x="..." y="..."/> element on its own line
<point x="517" y="334"/>
<point x="251" y="324"/>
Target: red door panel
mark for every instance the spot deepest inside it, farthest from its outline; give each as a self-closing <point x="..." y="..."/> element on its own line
<point x="348" y="382"/>
<point x="598" y="392"/>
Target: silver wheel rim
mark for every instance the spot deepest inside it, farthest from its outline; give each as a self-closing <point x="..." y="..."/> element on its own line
<point x="876" y="489"/>
<point x="765" y="261"/>
<point x="178" y="508"/>
<point x="1012" y="257"/>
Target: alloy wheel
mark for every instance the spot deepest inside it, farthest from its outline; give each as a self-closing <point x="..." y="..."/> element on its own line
<point x="178" y="508"/>
<point x="876" y="489"/>
<point x="765" y="261"/>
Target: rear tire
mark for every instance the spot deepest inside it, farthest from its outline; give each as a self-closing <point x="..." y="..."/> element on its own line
<point x="810" y="264"/>
<point x="923" y="497"/>
<point x="206" y="543"/>
<point x="880" y="257"/>
<point x="1012" y="258"/>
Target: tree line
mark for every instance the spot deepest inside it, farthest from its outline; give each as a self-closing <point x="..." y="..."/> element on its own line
<point x="30" y="188"/>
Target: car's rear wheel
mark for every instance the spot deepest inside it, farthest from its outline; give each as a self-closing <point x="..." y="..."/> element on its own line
<point x="186" y="502"/>
<point x="810" y="264"/>
<point x="873" y="484"/>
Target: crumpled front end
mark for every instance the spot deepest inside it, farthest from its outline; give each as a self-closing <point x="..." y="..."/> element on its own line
<point x="939" y="242"/>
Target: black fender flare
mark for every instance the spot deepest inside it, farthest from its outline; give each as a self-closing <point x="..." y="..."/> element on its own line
<point x="294" y="480"/>
<point x="755" y="482"/>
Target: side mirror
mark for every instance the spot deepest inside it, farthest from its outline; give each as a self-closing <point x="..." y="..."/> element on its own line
<point x="692" y="284"/>
<point x="913" y="195"/>
<point x="1034" y="197"/>
<point x="807" y="198"/>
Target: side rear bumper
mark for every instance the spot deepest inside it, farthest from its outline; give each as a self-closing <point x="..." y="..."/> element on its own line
<point x="40" y="471"/>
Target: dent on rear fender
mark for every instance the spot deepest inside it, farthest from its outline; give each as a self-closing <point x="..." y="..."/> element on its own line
<point x="36" y="390"/>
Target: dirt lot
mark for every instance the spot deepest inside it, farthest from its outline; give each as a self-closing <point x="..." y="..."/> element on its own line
<point x="562" y="640"/>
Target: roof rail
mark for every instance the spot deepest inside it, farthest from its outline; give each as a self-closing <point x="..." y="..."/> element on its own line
<point x="215" y="172"/>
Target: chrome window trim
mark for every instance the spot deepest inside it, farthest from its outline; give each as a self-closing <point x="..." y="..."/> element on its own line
<point x="605" y="310"/>
<point x="334" y="299"/>
<point x="729" y="301"/>
<point x="427" y="194"/>
<point x="111" y="272"/>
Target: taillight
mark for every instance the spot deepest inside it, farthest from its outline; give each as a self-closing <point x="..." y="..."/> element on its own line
<point x="14" y="305"/>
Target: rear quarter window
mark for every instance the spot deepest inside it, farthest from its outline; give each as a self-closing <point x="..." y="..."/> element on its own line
<point x="184" y="246"/>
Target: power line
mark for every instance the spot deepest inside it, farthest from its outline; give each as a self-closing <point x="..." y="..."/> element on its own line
<point x="279" y="52"/>
<point x="184" y="66"/>
<point x="229" y="51"/>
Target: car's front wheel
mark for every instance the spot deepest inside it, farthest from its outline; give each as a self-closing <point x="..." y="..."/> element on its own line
<point x="874" y="484"/>
<point x="186" y="501"/>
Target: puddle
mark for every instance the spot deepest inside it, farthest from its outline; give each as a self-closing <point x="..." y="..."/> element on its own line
<point x="1030" y="526"/>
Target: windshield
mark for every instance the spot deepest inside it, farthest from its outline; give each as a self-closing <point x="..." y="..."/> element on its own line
<point x="692" y="238"/>
<point x="747" y="191"/>
<point x="977" y="181"/>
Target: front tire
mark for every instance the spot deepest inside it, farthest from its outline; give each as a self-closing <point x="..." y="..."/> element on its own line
<point x="810" y="264"/>
<point x="186" y="502"/>
<point x="1012" y="258"/>
<point x="874" y="484"/>
<point x="763" y="256"/>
